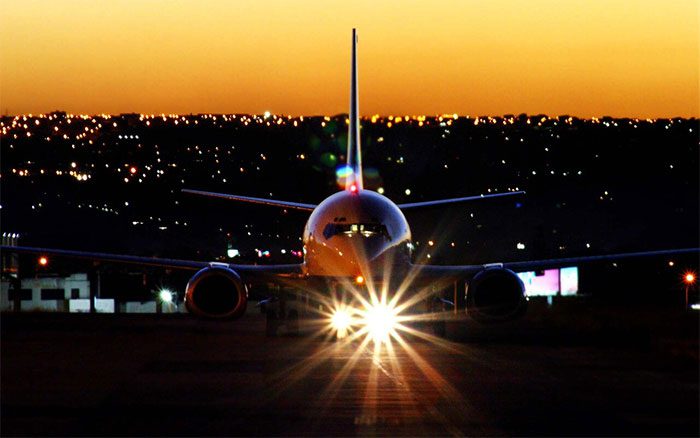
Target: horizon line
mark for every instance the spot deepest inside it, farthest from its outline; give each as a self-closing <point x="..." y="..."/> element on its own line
<point x="267" y="114"/>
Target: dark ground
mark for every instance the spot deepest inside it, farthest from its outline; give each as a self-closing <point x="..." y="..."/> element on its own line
<point x="171" y="375"/>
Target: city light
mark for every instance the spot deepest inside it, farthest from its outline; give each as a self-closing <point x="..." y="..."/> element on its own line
<point x="689" y="278"/>
<point x="155" y="162"/>
<point x="43" y="261"/>
<point x="360" y="279"/>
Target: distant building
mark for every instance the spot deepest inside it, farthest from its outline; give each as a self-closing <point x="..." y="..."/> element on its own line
<point x="551" y="282"/>
<point x="10" y="261"/>
<point x="49" y="294"/>
<point x="68" y="294"/>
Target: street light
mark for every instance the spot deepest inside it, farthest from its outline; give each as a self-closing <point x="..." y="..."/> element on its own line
<point x="689" y="280"/>
<point x="165" y="296"/>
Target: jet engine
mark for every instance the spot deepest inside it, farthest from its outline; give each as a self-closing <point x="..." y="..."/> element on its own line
<point x="216" y="292"/>
<point x="496" y="295"/>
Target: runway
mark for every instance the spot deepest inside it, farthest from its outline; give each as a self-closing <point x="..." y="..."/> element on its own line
<point x="171" y="375"/>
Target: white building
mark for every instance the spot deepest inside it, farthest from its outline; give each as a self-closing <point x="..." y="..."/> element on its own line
<point x="70" y="294"/>
<point x="57" y="294"/>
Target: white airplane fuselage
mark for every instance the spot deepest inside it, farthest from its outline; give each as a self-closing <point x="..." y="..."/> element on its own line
<point x="356" y="233"/>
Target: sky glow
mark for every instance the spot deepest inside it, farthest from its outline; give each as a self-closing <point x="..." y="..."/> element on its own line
<point x="585" y="58"/>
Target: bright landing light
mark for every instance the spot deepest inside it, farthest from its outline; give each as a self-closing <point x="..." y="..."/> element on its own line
<point x="341" y="321"/>
<point x="380" y="320"/>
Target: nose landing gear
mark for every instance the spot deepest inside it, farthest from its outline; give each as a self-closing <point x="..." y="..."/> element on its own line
<point x="277" y="315"/>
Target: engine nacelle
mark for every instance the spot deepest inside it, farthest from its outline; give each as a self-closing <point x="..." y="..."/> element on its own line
<point x="496" y="295"/>
<point x="216" y="292"/>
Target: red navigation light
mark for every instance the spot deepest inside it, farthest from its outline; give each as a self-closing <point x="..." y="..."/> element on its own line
<point x="689" y="278"/>
<point x="43" y="261"/>
<point x="133" y="170"/>
<point x="353" y="188"/>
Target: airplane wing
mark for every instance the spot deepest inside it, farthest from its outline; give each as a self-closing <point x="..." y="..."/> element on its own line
<point x="455" y="272"/>
<point x="436" y="276"/>
<point x="551" y="263"/>
<point x="310" y="207"/>
<point x="429" y="273"/>
<point x="249" y="271"/>
<point x="263" y="201"/>
<point x="457" y="200"/>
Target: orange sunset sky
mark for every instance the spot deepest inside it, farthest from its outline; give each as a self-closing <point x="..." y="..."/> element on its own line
<point x="637" y="58"/>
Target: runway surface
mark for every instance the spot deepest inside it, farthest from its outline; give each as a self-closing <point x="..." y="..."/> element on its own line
<point x="171" y="375"/>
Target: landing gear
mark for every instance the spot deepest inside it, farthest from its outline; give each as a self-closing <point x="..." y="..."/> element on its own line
<point x="285" y="309"/>
<point x="275" y="319"/>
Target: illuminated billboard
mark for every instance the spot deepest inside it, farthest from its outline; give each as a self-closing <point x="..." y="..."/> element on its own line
<point x="550" y="282"/>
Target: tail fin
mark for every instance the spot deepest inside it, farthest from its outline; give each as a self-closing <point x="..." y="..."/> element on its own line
<point x="354" y="181"/>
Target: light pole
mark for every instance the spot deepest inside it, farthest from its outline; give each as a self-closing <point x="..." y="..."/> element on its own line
<point x="689" y="280"/>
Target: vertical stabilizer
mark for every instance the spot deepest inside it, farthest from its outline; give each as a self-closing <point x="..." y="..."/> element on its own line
<point x="354" y="182"/>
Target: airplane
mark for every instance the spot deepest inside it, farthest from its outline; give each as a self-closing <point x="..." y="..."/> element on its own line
<point x="354" y="240"/>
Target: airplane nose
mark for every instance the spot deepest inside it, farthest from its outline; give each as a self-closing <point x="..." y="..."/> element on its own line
<point x="369" y="248"/>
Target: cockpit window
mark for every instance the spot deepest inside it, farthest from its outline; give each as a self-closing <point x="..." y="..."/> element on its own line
<point x="364" y="230"/>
